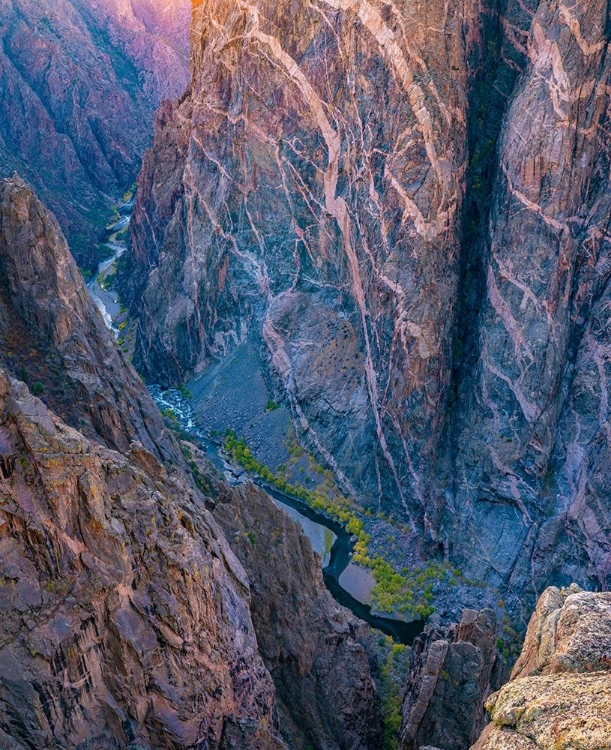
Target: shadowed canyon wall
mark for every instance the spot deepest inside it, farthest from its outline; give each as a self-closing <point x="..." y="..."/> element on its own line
<point x="79" y="84"/>
<point x="407" y="204"/>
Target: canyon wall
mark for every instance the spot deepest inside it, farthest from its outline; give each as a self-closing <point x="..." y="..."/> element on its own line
<point x="530" y="487"/>
<point x="406" y="206"/>
<point x="126" y="619"/>
<point x="308" y="192"/>
<point x="125" y="614"/>
<point x="53" y="336"/>
<point x="315" y="650"/>
<point x="79" y="84"/>
<point x="453" y="670"/>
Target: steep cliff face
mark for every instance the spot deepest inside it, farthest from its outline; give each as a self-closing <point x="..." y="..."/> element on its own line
<point x="311" y="177"/>
<point x="152" y="34"/>
<point x="407" y="205"/>
<point x="453" y="670"/>
<point x="126" y="618"/>
<point x="310" y="645"/>
<point x="53" y="336"/>
<point x="531" y="490"/>
<point x="125" y="615"/>
<point x="79" y="82"/>
<point x="560" y="690"/>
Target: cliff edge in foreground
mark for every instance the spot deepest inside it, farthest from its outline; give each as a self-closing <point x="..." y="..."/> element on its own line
<point x="559" y="696"/>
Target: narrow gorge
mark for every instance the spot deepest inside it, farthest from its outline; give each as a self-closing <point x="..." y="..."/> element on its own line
<point x="305" y="352"/>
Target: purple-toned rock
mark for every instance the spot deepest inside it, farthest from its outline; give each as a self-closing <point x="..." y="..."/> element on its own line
<point x="453" y="670"/>
<point x="125" y="616"/>
<point x="79" y="83"/>
<point x="53" y="335"/>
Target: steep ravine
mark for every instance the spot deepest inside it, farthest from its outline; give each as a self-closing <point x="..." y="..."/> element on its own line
<point x="127" y="619"/>
<point x="339" y="555"/>
<point x="79" y="84"/>
<point x="411" y="229"/>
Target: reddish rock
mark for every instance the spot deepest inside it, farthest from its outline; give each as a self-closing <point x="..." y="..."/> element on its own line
<point x="52" y="332"/>
<point x="311" y="646"/>
<point x="559" y="695"/>
<point x="124" y="614"/>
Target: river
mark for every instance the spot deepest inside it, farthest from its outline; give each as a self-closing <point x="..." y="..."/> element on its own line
<point x="329" y="539"/>
<point x="107" y="300"/>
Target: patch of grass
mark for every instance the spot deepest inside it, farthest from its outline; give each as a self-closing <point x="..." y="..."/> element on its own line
<point x="272" y="406"/>
<point x="38" y="388"/>
<point x="170" y="415"/>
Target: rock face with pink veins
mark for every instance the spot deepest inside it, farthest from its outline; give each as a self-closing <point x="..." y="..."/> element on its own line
<point x="406" y="204"/>
<point x="308" y="191"/>
<point x="125" y="618"/>
<point x="79" y="83"/>
<point x="531" y="493"/>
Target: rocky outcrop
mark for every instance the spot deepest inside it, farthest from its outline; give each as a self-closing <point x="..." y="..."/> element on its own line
<point x="79" y="83"/>
<point x="124" y="614"/>
<point x="453" y="670"/>
<point x="560" y="690"/>
<point x="418" y="244"/>
<point x="310" y="645"/>
<point x="53" y="336"/>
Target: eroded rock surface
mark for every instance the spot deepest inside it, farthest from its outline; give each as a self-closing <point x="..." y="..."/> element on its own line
<point x="311" y="645"/>
<point x="406" y="205"/>
<point x="531" y="490"/>
<point x="310" y="177"/>
<point x="560" y="691"/>
<point x="124" y="614"/>
<point x="79" y="83"/>
<point x="53" y="335"/>
<point x="453" y="670"/>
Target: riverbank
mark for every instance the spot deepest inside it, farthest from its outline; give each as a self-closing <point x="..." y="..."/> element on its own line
<point x="102" y="285"/>
<point x="179" y="411"/>
<point x="385" y="574"/>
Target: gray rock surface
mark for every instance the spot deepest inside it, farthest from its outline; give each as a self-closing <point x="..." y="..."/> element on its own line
<point x="559" y="696"/>
<point x="311" y="646"/>
<point x="453" y="670"/>
<point x="417" y="235"/>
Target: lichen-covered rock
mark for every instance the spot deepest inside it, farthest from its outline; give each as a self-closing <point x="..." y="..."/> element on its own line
<point x="52" y="331"/>
<point x="559" y="696"/>
<point x="551" y="713"/>
<point x="570" y="631"/>
<point x="452" y="672"/>
<point x="124" y="614"/>
<point x="311" y="645"/>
